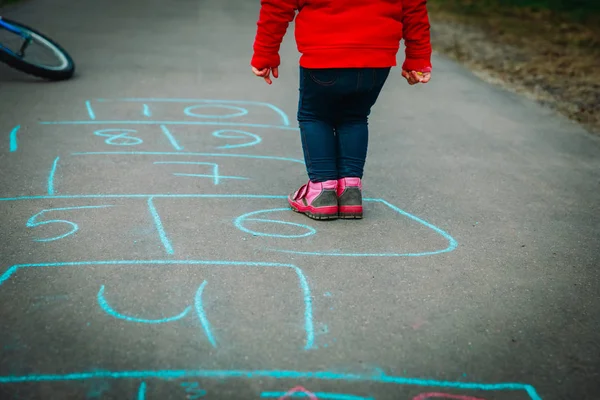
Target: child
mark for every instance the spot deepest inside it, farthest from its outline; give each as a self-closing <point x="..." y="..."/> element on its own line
<point x="348" y="48"/>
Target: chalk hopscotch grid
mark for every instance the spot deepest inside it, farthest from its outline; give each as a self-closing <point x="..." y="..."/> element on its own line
<point x="214" y="374"/>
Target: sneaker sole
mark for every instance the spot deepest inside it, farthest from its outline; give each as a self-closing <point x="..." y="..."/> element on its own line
<point x="351" y="212"/>
<point x="317" y="216"/>
<point x="350" y="215"/>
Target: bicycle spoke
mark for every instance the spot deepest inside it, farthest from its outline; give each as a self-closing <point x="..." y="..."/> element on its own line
<point x="24" y="46"/>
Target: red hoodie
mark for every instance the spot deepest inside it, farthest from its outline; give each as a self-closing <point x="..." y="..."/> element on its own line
<point x="345" y="33"/>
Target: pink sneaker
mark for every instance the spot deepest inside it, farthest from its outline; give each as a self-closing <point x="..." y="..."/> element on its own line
<point x="349" y="193"/>
<point x="316" y="200"/>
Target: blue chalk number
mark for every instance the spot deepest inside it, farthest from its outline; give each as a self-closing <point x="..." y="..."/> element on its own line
<point x="33" y="221"/>
<point x="123" y="137"/>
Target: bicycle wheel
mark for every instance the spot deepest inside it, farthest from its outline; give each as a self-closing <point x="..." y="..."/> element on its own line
<point x="62" y="66"/>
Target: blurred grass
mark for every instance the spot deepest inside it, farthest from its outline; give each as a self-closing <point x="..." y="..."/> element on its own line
<point x="547" y="48"/>
<point x="576" y="10"/>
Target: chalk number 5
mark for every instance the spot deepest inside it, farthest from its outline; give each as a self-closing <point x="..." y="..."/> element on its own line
<point x="34" y="221"/>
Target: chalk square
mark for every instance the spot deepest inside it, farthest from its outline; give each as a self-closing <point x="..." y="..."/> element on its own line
<point x="126" y="314"/>
<point x="78" y="228"/>
<point x="268" y="225"/>
<point x="199" y="111"/>
<point x="170" y="172"/>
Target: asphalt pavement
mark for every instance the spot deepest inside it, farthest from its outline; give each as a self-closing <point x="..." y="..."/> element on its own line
<point x="148" y="250"/>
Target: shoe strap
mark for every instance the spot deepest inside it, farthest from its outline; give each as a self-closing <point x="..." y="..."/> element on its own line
<point x="301" y="192"/>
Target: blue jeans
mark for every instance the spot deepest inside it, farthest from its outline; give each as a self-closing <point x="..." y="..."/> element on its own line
<point x="333" y="112"/>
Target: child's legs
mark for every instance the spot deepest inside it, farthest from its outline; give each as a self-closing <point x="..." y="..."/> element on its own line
<point x="352" y="144"/>
<point x="319" y="147"/>
<point x="315" y="119"/>
<point x="352" y="121"/>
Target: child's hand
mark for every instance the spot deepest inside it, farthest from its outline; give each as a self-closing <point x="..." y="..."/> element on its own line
<point x="266" y="73"/>
<point x="414" y="77"/>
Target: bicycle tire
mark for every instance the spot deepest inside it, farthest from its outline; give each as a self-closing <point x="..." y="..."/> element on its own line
<point x="66" y="71"/>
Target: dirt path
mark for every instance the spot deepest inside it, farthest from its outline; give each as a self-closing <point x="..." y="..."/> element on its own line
<point x="552" y="61"/>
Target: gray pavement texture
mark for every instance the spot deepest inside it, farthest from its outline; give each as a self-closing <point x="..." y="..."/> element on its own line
<point x="130" y="272"/>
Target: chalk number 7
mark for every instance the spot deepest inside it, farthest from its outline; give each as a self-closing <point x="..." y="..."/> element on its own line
<point x="33" y="221"/>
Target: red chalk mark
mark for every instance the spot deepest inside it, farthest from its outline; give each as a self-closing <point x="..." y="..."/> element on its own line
<point x="299" y="389"/>
<point x="419" y="323"/>
<point x="425" y="396"/>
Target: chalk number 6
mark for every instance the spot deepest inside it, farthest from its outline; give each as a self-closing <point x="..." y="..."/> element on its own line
<point x="33" y="221"/>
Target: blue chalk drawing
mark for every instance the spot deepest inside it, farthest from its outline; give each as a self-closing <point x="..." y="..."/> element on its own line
<point x="284" y="118"/>
<point x="302" y="281"/>
<point x="239" y="223"/>
<point x="197" y="305"/>
<point x="90" y="111"/>
<point x="145" y="196"/>
<point x="142" y="391"/>
<point x="202" y="315"/>
<point x="241" y="135"/>
<point x="215" y="176"/>
<point x="32" y="223"/>
<point x="452" y="243"/>
<point x="51" y="176"/>
<point x="193" y="390"/>
<point x="159" y="227"/>
<point x="171" y="138"/>
<point x="318" y="395"/>
<point x="13" y="138"/>
<point x="327" y="294"/>
<point x="273" y="374"/>
<point x="191" y="123"/>
<point x="124" y="138"/>
<point x="111" y="311"/>
<point x="166" y="153"/>
<point x="146" y="111"/>
<point x="240" y="111"/>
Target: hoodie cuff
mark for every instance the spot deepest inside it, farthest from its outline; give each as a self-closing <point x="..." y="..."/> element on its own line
<point x="261" y="61"/>
<point x="417" y="64"/>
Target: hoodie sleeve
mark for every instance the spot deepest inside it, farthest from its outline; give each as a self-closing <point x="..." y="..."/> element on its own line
<point x="416" y="33"/>
<point x="274" y="19"/>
